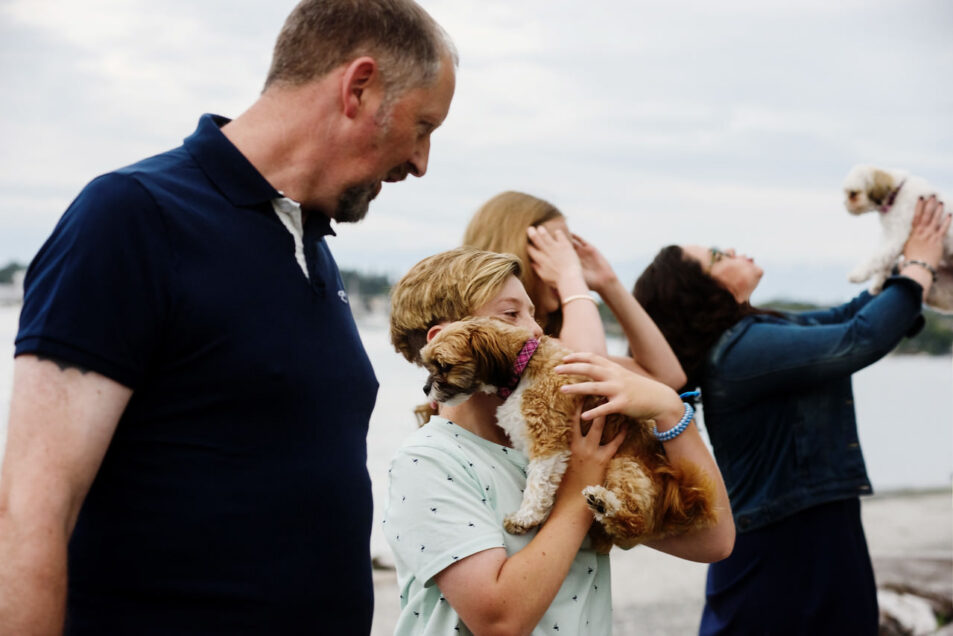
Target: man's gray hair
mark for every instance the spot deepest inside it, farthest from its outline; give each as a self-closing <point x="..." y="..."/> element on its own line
<point x="320" y="35"/>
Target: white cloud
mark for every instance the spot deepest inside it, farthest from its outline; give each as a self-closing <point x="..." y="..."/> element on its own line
<point x="646" y="122"/>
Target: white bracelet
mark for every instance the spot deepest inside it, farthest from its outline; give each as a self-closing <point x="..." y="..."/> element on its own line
<point x="569" y="299"/>
<point x="923" y="264"/>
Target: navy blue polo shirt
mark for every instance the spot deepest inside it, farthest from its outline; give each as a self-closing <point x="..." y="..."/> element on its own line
<point x="234" y="497"/>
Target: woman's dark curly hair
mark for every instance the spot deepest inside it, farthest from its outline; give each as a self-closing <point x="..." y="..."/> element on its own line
<point x="690" y="307"/>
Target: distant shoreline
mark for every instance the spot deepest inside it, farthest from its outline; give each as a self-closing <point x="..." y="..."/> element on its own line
<point x="370" y="302"/>
<point x="902" y="493"/>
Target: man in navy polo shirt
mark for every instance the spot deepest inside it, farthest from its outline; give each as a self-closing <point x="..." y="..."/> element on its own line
<point x="191" y="398"/>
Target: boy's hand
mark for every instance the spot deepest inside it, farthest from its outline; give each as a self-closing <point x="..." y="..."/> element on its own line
<point x="589" y="459"/>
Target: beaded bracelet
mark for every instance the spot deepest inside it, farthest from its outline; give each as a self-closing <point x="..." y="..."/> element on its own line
<point x="569" y="299"/>
<point x="926" y="266"/>
<point x="683" y="423"/>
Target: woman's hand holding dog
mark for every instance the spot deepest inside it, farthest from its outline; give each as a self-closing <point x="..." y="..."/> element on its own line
<point x="628" y="393"/>
<point x="925" y="244"/>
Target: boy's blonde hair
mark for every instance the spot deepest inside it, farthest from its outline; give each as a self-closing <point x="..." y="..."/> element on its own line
<point x="442" y="288"/>
<point x="500" y="226"/>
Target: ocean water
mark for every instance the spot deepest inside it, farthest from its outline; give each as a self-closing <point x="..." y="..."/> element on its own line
<point x="903" y="408"/>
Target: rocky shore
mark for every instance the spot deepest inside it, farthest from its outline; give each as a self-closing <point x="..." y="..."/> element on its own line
<point x="911" y="542"/>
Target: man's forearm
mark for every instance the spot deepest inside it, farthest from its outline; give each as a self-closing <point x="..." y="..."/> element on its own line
<point x="32" y="577"/>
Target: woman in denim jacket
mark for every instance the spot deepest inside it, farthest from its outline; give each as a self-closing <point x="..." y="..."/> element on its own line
<point x="779" y="411"/>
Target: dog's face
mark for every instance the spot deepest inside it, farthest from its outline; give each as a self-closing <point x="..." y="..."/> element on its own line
<point x="866" y="188"/>
<point x="468" y="356"/>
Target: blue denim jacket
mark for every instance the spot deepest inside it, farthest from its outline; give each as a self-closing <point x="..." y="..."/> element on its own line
<point x="778" y="404"/>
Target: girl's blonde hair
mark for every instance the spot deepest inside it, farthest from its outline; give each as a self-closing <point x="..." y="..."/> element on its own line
<point x="443" y="288"/>
<point x="500" y="226"/>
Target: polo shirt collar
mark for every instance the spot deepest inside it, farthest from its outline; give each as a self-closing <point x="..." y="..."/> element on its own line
<point x="320" y="222"/>
<point x="226" y="166"/>
<point x="317" y="222"/>
<point x="233" y="174"/>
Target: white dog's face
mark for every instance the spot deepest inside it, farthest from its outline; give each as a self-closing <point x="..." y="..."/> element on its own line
<point x="866" y="188"/>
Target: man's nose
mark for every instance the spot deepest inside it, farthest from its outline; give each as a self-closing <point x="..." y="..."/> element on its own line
<point x="418" y="163"/>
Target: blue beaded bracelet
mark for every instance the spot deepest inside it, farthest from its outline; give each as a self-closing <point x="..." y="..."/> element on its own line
<point x="683" y="423"/>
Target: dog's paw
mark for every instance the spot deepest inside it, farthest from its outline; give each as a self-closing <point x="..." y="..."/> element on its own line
<point x="859" y="275"/>
<point x="514" y="523"/>
<point x="603" y="503"/>
<point x="877" y="284"/>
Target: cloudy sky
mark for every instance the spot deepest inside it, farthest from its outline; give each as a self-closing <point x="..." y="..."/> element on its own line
<point x="728" y="123"/>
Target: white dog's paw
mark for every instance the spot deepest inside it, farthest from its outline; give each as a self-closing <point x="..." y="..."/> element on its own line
<point x="877" y="284"/>
<point x="603" y="503"/>
<point x="516" y="523"/>
<point x="859" y="275"/>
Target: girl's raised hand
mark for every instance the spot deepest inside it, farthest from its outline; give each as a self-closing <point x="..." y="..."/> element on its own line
<point x="553" y="256"/>
<point x="595" y="268"/>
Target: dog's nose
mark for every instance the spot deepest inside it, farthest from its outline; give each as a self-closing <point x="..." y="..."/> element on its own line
<point x="427" y="386"/>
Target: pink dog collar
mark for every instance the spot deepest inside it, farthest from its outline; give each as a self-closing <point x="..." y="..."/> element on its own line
<point x="890" y="200"/>
<point x="519" y="365"/>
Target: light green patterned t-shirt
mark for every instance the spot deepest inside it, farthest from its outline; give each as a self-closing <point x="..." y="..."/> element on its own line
<point x="449" y="491"/>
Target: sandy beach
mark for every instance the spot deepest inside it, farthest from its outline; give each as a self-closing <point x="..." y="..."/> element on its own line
<point x="910" y="537"/>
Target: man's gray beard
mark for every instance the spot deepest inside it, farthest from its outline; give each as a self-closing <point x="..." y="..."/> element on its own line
<point x="353" y="203"/>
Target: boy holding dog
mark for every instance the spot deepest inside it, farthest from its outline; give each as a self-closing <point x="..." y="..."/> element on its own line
<point x="455" y="478"/>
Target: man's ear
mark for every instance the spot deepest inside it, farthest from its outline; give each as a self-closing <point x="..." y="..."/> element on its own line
<point x="360" y="74"/>
<point x="433" y="331"/>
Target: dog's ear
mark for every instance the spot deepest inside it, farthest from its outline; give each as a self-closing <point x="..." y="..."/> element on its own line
<point x="492" y="347"/>
<point x="438" y="355"/>
<point x="440" y="339"/>
<point x="880" y="187"/>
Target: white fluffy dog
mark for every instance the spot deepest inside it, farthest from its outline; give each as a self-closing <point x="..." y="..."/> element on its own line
<point x="894" y="194"/>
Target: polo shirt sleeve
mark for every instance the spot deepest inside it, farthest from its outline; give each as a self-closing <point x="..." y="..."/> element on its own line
<point x="437" y="514"/>
<point x="96" y="295"/>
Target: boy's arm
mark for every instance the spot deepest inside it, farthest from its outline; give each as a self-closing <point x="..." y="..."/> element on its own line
<point x="494" y="594"/>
